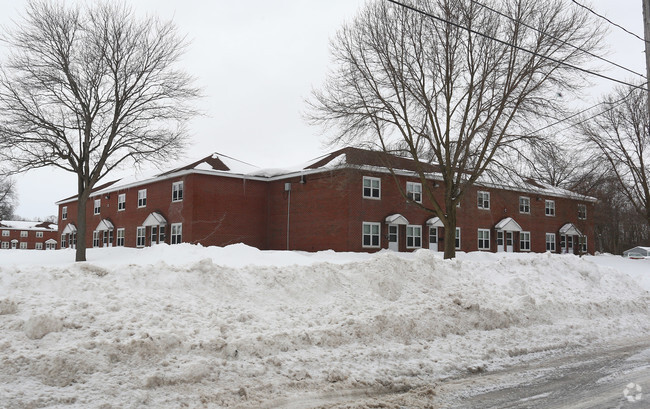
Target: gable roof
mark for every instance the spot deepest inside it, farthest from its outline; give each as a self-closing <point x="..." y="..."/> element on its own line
<point x="362" y="157"/>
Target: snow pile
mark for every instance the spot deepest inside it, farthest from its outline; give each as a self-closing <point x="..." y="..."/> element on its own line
<point x="175" y="326"/>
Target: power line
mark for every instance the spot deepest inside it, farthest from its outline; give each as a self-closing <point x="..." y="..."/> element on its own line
<point x="557" y="39"/>
<point x="575" y="67"/>
<point x="609" y="21"/>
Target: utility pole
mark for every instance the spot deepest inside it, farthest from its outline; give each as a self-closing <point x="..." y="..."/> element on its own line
<point x="646" y="36"/>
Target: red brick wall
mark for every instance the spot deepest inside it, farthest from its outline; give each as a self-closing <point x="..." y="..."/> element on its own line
<point x="31" y="239"/>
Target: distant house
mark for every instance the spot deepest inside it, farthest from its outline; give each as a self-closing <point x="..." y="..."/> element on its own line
<point x="23" y="235"/>
<point x="637" y="252"/>
<point x="347" y="200"/>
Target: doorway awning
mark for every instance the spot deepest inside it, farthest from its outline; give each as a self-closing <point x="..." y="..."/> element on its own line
<point x="50" y="241"/>
<point x="570" y="229"/>
<point x="396" y="219"/>
<point x="154" y="219"/>
<point x="104" y="224"/>
<point x="508" y="224"/>
<point x="435" y="222"/>
<point x="70" y="229"/>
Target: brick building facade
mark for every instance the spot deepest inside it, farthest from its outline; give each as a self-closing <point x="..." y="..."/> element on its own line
<point x="344" y="201"/>
<point x="24" y="235"/>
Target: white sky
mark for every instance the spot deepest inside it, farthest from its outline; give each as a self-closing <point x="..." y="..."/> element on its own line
<point x="257" y="62"/>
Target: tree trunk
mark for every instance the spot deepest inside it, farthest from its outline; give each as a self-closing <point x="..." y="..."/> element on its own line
<point x="82" y="202"/>
<point x="450" y="234"/>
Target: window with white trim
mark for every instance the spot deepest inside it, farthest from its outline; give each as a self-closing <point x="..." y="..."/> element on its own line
<point x="96" y="238"/>
<point x="39" y="246"/>
<point x="483" y="199"/>
<point x="5" y="244"/>
<point x="549" y="207"/>
<point x="64" y="242"/>
<point x="582" y="211"/>
<point x="371" y="234"/>
<point x="161" y="234"/>
<point x="120" y="237"/>
<point x="457" y="238"/>
<point x="550" y="241"/>
<point x="121" y="202"/>
<point x="371" y="187"/>
<point x="23" y="245"/>
<point x="5" y="233"/>
<point x="414" y="191"/>
<point x="483" y="239"/>
<point x="98" y="206"/>
<point x="413" y="237"/>
<point x="177" y="191"/>
<point x="142" y="198"/>
<point x="39" y="234"/>
<point x="140" y="237"/>
<point x="582" y="242"/>
<point x="524" y="241"/>
<point x="524" y="204"/>
<point x="64" y="213"/>
<point x="176" y="233"/>
<point x="23" y="233"/>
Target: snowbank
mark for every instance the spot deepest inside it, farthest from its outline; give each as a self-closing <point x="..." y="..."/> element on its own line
<point x="174" y="326"/>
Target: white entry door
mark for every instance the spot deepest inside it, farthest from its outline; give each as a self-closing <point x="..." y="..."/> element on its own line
<point x="500" y="247"/>
<point x="433" y="238"/>
<point x="569" y="244"/>
<point x="509" y="242"/>
<point x="393" y="230"/>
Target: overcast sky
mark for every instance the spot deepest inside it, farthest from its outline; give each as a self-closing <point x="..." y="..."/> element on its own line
<point x="257" y="62"/>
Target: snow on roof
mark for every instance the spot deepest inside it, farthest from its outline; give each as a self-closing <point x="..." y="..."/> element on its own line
<point x="27" y="225"/>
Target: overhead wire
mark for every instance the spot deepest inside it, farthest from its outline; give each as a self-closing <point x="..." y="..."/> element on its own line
<point x="609" y="21"/>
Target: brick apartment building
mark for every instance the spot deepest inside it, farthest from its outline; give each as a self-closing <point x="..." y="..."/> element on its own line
<point x="28" y="235"/>
<point x="344" y="201"/>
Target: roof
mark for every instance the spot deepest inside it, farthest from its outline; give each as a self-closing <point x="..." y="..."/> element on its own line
<point x="27" y="225"/>
<point x="363" y="157"/>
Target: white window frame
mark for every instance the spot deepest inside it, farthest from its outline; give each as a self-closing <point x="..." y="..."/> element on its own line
<point x="97" y="206"/>
<point x="176" y="233"/>
<point x="414" y="191"/>
<point x="142" y="198"/>
<point x="481" y="240"/>
<point x="24" y="233"/>
<point x="582" y="211"/>
<point x="119" y="242"/>
<point x="373" y="231"/>
<point x="524" y="204"/>
<point x="483" y="198"/>
<point x="64" y="213"/>
<point x="121" y="202"/>
<point x="38" y="246"/>
<point x="549" y="208"/>
<point x="96" y="239"/>
<point x="414" y="235"/>
<point x="5" y="233"/>
<point x="177" y="191"/>
<point x="523" y="240"/>
<point x="140" y="236"/>
<point x="64" y="242"/>
<point x="39" y="234"/>
<point x="23" y="245"/>
<point x="372" y="188"/>
<point x="457" y="239"/>
<point x="582" y="244"/>
<point x="550" y="243"/>
<point x="5" y="245"/>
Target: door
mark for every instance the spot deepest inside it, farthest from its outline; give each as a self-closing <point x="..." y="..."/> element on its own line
<point x="154" y="235"/>
<point x="509" y="240"/>
<point x="14" y="244"/>
<point x="433" y="238"/>
<point x="500" y="247"/>
<point x="393" y="230"/>
<point x="569" y="244"/>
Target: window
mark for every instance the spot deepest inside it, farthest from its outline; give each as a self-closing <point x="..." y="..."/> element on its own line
<point x="582" y="211"/>
<point x="371" y="187"/>
<point x="550" y="207"/>
<point x="177" y="191"/>
<point x="161" y="234"/>
<point x="5" y="233"/>
<point x="154" y="235"/>
<point x="39" y="234"/>
<point x="121" y="202"/>
<point x="120" y="238"/>
<point x="483" y="239"/>
<point x="583" y="244"/>
<point x="524" y="204"/>
<point x="98" y="206"/>
<point x="524" y="241"/>
<point x="5" y="244"/>
<point x="140" y="236"/>
<point x="142" y="198"/>
<point x="39" y="246"/>
<point x="96" y="238"/>
<point x="23" y="233"/>
<point x="413" y="237"/>
<point x="63" y="241"/>
<point x="550" y="241"/>
<point x="50" y="246"/>
<point x="414" y="191"/>
<point x="23" y="245"/>
<point x="371" y="234"/>
<point x="64" y="212"/>
<point x="483" y="200"/>
<point x="176" y="233"/>
<point x="457" y="238"/>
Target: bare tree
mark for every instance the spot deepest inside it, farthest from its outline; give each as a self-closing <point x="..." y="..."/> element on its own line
<point x="456" y="85"/>
<point x="621" y="136"/>
<point x="88" y="89"/>
<point x="7" y="198"/>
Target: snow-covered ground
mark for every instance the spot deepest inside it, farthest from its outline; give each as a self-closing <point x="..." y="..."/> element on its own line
<point x="187" y="326"/>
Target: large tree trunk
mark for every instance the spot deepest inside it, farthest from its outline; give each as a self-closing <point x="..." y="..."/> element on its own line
<point x="450" y="234"/>
<point x="82" y="201"/>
